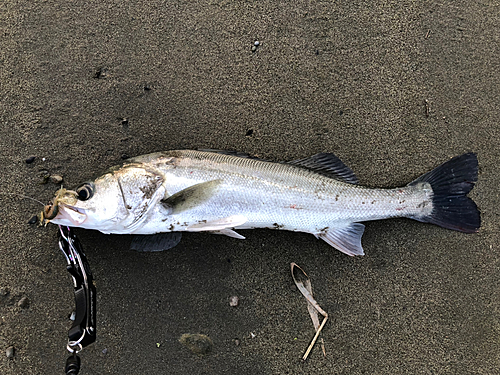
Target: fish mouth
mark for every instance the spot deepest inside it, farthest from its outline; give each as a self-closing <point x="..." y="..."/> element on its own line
<point x="61" y="209"/>
<point x="74" y="215"/>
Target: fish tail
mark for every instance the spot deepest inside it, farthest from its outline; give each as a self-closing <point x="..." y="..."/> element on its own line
<point x="451" y="182"/>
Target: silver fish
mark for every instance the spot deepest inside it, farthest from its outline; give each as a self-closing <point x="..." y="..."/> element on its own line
<point x="220" y="192"/>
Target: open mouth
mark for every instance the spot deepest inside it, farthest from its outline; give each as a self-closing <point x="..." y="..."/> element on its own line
<point x="58" y="210"/>
<point x="75" y="215"/>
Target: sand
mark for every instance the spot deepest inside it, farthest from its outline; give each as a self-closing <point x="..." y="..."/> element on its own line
<point x="394" y="88"/>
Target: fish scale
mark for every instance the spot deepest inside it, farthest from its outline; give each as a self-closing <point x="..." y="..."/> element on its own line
<point x="283" y="196"/>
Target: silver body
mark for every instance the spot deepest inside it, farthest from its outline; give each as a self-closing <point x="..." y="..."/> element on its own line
<point x="272" y="195"/>
<point x="196" y="191"/>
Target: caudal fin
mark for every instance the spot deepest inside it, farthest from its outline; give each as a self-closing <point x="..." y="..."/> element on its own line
<point x="450" y="183"/>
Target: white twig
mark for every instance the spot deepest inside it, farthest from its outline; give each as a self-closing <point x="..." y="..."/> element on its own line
<point x="313" y="307"/>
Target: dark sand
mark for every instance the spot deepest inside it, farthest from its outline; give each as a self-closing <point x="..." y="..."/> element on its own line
<point x="347" y="77"/>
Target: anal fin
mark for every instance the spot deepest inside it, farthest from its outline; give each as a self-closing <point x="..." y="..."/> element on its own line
<point x="346" y="239"/>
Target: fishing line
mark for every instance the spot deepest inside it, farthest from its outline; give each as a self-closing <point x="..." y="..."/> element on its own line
<point x="24" y="197"/>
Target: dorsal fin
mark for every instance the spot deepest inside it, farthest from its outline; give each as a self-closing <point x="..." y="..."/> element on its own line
<point x="328" y="165"/>
<point x="231" y="153"/>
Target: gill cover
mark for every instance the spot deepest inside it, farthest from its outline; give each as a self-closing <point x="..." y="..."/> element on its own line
<point x="139" y="189"/>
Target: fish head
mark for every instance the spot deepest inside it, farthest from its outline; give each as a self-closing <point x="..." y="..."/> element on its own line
<point x="117" y="201"/>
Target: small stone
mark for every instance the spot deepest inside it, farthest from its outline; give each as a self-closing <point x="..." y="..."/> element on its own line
<point x="72" y="316"/>
<point x="30" y="160"/>
<point x="44" y="176"/>
<point x="256" y="43"/>
<point x="33" y="220"/>
<point x="105" y="351"/>
<point x="101" y="72"/>
<point x="197" y="343"/>
<point x="237" y="342"/>
<point x="10" y="352"/>
<point x="56" y="179"/>
<point x="234" y="301"/>
<point x="254" y="48"/>
<point x="23" y="303"/>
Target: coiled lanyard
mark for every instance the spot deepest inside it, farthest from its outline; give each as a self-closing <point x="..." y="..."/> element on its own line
<point x="83" y="331"/>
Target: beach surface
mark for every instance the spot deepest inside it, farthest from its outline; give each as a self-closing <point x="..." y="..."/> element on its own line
<point x="393" y="88"/>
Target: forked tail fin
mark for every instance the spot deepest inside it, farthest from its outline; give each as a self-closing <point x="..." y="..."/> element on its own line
<point x="451" y="182"/>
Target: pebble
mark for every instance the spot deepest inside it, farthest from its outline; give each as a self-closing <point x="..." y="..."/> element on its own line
<point x="197" y="343"/>
<point x="101" y="72"/>
<point x="44" y="176"/>
<point x="33" y="220"/>
<point x="30" y="160"/>
<point x="23" y="303"/>
<point x="10" y="352"/>
<point x="56" y="179"/>
<point x="234" y="301"/>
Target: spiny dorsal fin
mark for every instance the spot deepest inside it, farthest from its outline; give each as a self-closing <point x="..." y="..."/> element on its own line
<point x="328" y="165"/>
<point x="231" y="153"/>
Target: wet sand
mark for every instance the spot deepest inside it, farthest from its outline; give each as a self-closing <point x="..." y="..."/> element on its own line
<point x="392" y="88"/>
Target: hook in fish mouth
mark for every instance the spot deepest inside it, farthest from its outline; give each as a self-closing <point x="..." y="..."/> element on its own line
<point x="51" y="210"/>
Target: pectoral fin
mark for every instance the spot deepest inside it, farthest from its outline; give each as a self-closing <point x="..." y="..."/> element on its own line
<point x="191" y="196"/>
<point x="218" y="224"/>
<point x="346" y="239"/>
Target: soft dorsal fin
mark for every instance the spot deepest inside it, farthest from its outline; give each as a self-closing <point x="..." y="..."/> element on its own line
<point x="328" y="165"/>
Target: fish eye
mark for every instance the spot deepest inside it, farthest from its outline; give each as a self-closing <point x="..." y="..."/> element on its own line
<point x="85" y="191"/>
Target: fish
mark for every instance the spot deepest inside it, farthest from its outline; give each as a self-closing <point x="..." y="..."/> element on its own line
<point x="225" y="192"/>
